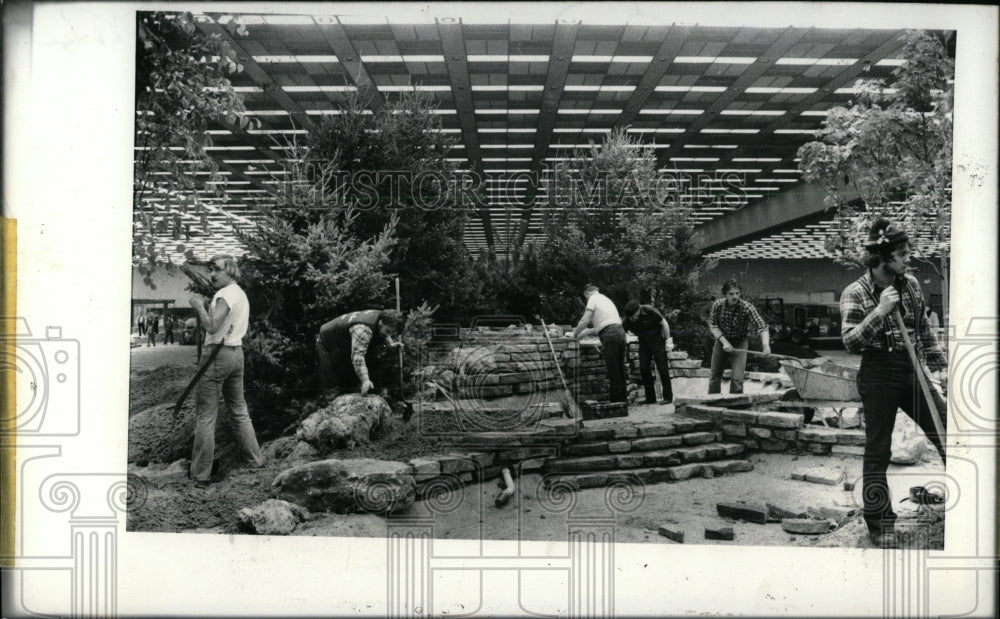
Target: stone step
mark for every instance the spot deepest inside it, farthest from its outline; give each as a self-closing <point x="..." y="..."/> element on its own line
<point x="643" y="443"/>
<point x="647" y="475"/>
<point x="638" y="459"/>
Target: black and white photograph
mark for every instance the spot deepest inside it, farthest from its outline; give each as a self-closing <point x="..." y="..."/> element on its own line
<point x="549" y="299"/>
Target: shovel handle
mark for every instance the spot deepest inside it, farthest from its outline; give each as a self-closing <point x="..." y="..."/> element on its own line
<point x="766" y="354"/>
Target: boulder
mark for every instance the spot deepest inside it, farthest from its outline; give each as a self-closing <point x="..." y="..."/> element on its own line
<point x="272" y="517"/>
<point x="348" y="486"/>
<point x="907" y="448"/>
<point x="350" y="420"/>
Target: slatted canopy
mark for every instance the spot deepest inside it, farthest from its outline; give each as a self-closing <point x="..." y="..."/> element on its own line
<point x="710" y="101"/>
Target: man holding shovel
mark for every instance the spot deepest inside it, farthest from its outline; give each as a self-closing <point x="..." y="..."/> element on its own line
<point x="891" y="375"/>
<point x="730" y="320"/>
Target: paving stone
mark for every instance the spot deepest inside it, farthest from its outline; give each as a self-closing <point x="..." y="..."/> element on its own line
<point x="786" y="435"/>
<point x="455" y="463"/>
<point x="808" y="526"/>
<point x="671" y="532"/>
<point x="491" y="439"/>
<point x="851" y="437"/>
<point x="561" y="427"/>
<point x="750" y="443"/>
<point x="595" y="434"/>
<point x="818" y="435"/>
<point x="747" y="417"/>
<point x="481" y="458"/>
<point x="733" y="449"/>
<point x="714" y="451"/>
<point x="656" y="442"/>
<point x="760" y="432"/>
<point x="625" y="432"/>
<point x="586" y="449"/>
<point x="425" y="468"/>
<point x="773" y="445"/>
<point x="827" y="476"/>
<point x="780" y="420"/>
<point x="588" y="463"/>
<point x="819" y="449"/>
<point x="734" y="429"/>
<point x="693" y="454"/>
<point x="523" y="453"/>
<point x="836" y="513"/>
<point x="697" y="411"/>
<point x="741" y="510"/>
<point x="667" y="457"/>
<point x="683" y="426"/>
<point x="617" y="447"/>
<point x="684" y="471"/>
<point x="720" y="533"/>
<point x="655" y="429"/>
<point x="582" y="480"/>
<point x="698" y="438"/>
<point x="703" y="425"/>
<point x="848" y="450"/>
<point x="629" y="461"/>
<point x="779" y="512"/>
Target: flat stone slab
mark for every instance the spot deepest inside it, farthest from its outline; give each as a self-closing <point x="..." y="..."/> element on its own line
<point x="671" y="532"/>
<point x="779" y="512"/>
<point x="808" y="526"/>
<point x="828" y="476"/>
<point x="720" y="533"/>
<point x="750" y="512"/>
<point x="836" y="513"/>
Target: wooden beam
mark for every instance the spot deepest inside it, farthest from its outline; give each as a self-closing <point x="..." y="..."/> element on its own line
<point x="341" y="45"/>
<point x="672" y="44"/>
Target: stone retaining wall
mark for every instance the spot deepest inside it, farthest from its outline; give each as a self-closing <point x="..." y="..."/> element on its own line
<point x="776" y="431"/>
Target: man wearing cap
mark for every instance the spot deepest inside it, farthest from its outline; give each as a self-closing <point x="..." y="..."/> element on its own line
<point x="887" y="379"/>
<point x="602" y="315"/>
<point x="226" y="321"/>
<point x="653" y="332"/>
<point x="730" y="321"/>
<point x="349" y="343"/>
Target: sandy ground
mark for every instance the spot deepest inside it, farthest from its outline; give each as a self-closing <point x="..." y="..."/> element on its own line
<point x="169" y="502"/>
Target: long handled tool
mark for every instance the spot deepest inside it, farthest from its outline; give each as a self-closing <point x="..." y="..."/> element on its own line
<point x="569" y="404"/>
<point x="918" y="368"/>
<point x="407" y="406"/>
<point x="808" y="362"/>
<point x="201" y="372"/>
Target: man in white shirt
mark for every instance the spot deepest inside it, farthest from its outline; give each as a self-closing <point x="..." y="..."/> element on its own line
<point x="602" y="315"/>
<point x="225" y="323"/>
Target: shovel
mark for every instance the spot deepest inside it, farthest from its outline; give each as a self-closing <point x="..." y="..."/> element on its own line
<point x="569" y="404"/>
<point x="805" y="362"/>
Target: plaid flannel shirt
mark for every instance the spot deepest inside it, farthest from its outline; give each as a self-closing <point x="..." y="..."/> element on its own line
<point x="735" y="320"/>
<point x="361" y="337"/>
<point x="862" y="329"/>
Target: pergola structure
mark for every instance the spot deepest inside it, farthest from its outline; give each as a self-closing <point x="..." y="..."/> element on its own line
<point x="710" y="100"/>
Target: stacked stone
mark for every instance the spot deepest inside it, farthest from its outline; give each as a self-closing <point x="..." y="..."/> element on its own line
<point x="775" y="431"/>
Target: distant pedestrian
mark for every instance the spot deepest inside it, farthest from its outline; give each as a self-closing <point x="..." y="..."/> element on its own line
<point x="653" y="332"/>
<point x="730" y="322"/>
<point x="141" y="324"/>
<point x="168" y="329"/>
<point x="602" y="315"/>
<point x="152" y="330"/>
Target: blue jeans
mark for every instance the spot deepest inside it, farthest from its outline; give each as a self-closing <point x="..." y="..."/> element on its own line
<point x="887" y="382"/>
<point x="737" y="365"/>
<point x="223" y="378"/>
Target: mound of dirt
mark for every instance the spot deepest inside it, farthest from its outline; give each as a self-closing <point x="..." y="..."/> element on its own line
<point x="150" y="387"/>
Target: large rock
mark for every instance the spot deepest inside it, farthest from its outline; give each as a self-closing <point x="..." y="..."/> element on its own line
<point x="272" y="517"/>
<point x="350" y="420"/>
<point x="348" y="486"/>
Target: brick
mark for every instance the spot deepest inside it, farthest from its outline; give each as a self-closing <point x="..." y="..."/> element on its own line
<point x="720" y="533"/>
<point x="656" y="442"/>
<point x="777" y="512"/>
<point x="786" y="435"/>
<point x="749" y="512"/>
<point x="625" y="432"/>
<point x="723" y="467"/>
<point x="693" y="454"/>
<point x="818" y="435"/>
<point x="586" y="449"/>
<point x="684" y="471"/>
<point x="773" y="445"/>
<point x="629" y="461"/>
<point x="734" y="429"/>
<point x="588" y="463"/>
<point x="808" y="526"/>
<point x="595" y="434"/>
<point x="848" y="450"/>
<point x="747" y="417"/>
<point x="780" y="420"/>
<point x="655" y="429"/>
<point x="424" y="469"/>
<point x="760" y="432"/>
<point x="667" y="457"/>
<point x="618" y="447"/>
<point x="672" y="533"/>
<point x="698" y="438"/>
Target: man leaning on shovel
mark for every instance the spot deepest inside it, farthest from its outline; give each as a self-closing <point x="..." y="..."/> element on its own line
<point x="891" y="375"/>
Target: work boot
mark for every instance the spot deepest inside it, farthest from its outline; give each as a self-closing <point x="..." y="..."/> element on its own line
<point x="884" y="539"/>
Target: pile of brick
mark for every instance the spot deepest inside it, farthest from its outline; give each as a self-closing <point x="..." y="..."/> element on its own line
<point x="773" y="430"/>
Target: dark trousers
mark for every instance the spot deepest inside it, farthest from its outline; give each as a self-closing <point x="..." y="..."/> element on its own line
<point x="614" y="347"/>
<point x="658" y="355"/>
<point x="336" y="370"/>
<point x="737" y="367"/>
<point x="168" y="336"/>
<point x="887" y="382"/>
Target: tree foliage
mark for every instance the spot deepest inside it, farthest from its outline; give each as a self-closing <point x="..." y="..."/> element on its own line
<point x="892" y="147"/>
<point x="182" y="86"/>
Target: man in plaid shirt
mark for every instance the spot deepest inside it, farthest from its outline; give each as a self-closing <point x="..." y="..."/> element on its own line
<point x="887" y="379"/>
<point x="730" y="321"/>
